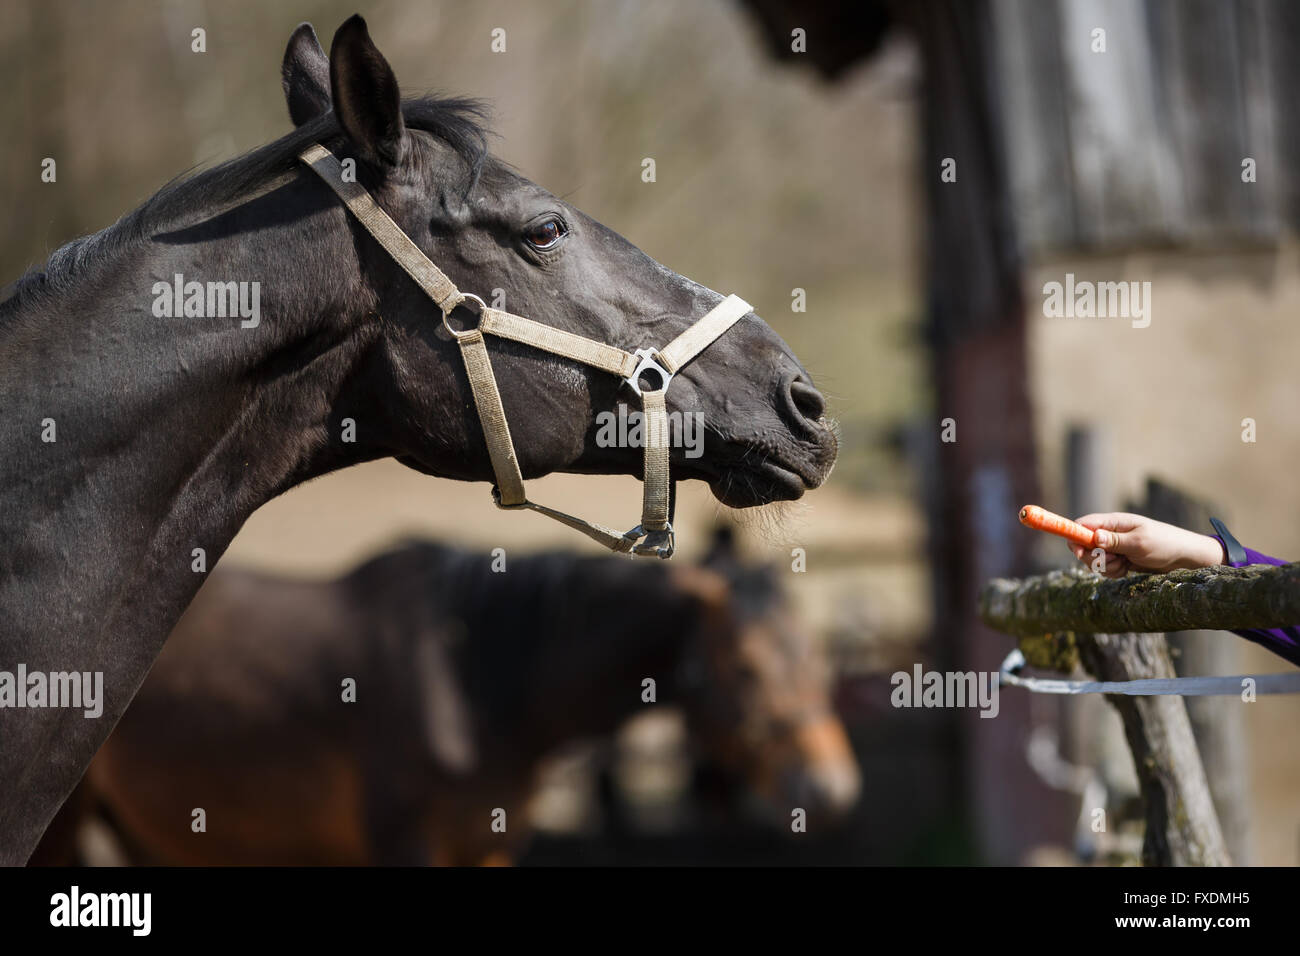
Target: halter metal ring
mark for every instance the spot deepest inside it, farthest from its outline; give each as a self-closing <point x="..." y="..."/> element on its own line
<point x="461" y="298"/>
<point x="649" y="361"/>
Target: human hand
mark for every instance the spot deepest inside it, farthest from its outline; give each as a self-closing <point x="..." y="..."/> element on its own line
<point x="1134" y="542"/>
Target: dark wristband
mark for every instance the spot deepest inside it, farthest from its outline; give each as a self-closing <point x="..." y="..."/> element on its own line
<point x="1236" y="553"/>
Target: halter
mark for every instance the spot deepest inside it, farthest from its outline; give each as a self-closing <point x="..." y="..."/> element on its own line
<point x="658" y="495"/>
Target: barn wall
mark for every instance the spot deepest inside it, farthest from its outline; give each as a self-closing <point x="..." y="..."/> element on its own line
<point x="1142" y="144"/>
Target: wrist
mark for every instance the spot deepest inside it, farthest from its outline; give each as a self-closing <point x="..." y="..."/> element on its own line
<point x="1209" y="552"/>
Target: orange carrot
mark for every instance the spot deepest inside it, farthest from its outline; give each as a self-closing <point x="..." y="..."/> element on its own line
<point x="1032" y="516"/>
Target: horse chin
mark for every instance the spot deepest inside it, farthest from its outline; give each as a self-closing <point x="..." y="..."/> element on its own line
<point x="749" y="476"/>
<point x="752" y="487"/>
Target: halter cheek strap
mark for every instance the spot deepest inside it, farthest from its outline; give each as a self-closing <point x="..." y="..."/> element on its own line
<point x="654" y="535"/>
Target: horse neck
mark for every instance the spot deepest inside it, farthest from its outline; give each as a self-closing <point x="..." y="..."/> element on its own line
<point x="168" y="434"/>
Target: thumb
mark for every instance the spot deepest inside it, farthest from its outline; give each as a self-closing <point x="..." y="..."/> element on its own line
<point x="1116" y="541"/>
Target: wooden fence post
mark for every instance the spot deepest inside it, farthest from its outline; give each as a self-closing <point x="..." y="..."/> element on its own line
<point x="1217" y="722"/>
<point x="1182" y="828"/>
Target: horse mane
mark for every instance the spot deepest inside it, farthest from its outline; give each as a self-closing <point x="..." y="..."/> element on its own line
<point x="459" y="122"/>
<point x="459" y="578"/>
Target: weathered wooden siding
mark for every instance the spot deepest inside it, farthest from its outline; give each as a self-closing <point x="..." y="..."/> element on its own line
<point x="1143" y="144"/>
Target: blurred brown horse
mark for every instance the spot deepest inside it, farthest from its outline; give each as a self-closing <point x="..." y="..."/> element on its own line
<point x="465" y="678"/>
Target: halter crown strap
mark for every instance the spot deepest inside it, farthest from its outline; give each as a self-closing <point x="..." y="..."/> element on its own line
<point x="380" y="225"/>
<point x="657" y="499"/>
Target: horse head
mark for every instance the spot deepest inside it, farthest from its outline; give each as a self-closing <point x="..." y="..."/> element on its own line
<point x="522" y="249"/>
<point x="757" y="695"/>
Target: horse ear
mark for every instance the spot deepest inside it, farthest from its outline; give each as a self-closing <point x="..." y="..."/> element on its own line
<point x="366" y="98"/>
<point x="706" y="588"/>
<point x="305" y="75"/>
<point x="722" y="553"/>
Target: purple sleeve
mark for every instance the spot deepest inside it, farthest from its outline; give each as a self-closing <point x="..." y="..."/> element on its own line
<point x="1283" y="641"/>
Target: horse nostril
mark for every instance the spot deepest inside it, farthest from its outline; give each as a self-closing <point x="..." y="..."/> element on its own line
<point x="807" y="400"/>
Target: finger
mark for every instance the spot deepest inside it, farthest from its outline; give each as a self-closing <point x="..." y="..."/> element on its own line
<point x="1116" y="566"/>
<point x="1108" y="563"/>
<point x="1111" y="520"/>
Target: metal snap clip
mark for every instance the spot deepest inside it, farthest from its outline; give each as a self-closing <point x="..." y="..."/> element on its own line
<point x="659" y="544"/>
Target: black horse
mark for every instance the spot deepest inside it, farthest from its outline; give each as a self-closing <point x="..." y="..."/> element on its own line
<point x="131" y="440"/>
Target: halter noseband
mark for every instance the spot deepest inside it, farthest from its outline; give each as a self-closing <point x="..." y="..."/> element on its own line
<point x="658" y="490"/>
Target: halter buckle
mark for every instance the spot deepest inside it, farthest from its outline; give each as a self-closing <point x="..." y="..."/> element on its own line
<point x="649" y="361"/>
<point x="461" y="299"/>
<point x="659" y="544"/>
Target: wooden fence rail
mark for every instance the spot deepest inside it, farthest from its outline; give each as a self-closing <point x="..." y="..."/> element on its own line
<point x="1220" y="598"/>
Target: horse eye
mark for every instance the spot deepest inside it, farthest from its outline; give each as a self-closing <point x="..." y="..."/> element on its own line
<point x="545" y="234"/>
